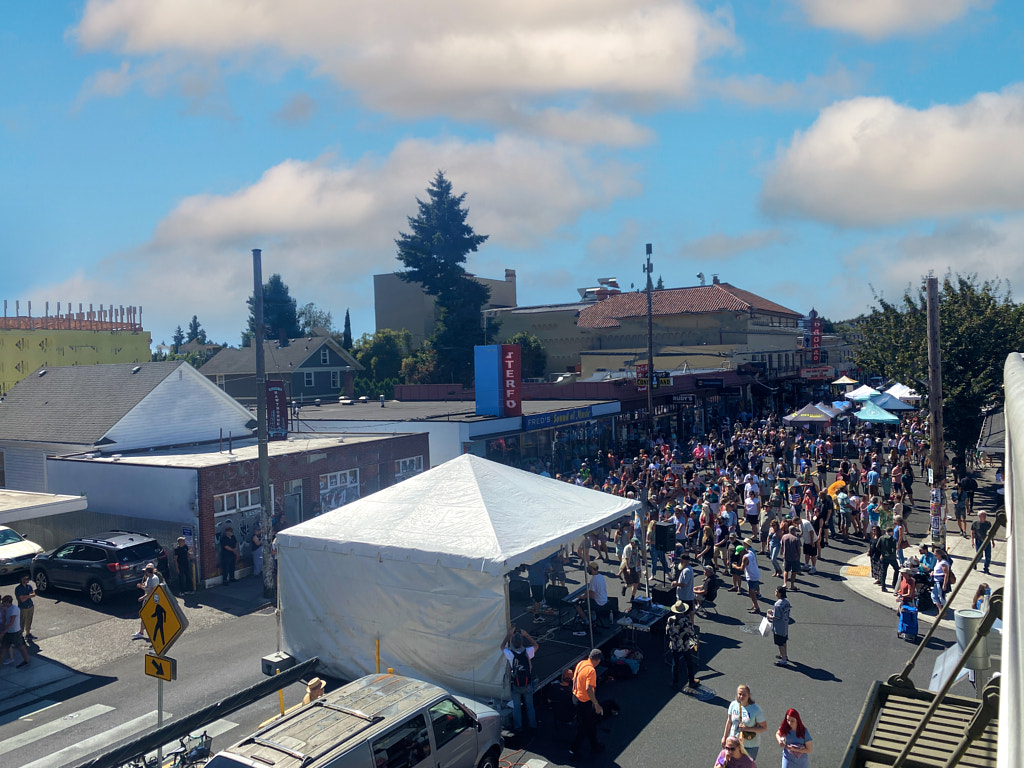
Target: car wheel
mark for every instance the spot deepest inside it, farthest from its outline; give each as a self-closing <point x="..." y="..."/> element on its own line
<point x="490" y="760"/>
<point x="96" y="592"/>
<point x="42" y="581"/>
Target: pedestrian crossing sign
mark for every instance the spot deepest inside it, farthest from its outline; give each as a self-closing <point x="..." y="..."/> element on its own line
<point x="161" y="667"/>
<point x="163" y="619"/>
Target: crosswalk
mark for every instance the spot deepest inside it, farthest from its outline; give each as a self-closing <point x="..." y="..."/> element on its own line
<point x="84" y="747"/>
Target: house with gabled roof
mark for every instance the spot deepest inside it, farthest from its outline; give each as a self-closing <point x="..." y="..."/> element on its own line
<point x="312" y="368"/>
<point x="109" y="409"/>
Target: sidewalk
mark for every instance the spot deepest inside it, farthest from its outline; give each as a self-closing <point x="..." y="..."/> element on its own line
<point x="60" y="664"/>
<point x="857" y="573"/>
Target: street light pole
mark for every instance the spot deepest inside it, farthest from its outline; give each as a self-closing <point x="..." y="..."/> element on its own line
<point x="651" y="377"/>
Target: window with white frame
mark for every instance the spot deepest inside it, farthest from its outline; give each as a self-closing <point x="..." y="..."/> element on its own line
<point x="220" y="380"/>
<point x="325" y="356"/>
<point x="338" y="489"/>
<point x="309" y="378"/>
<point x="335" y="380"/>
<point x="236" y="501"/>
<point x="408" y="467"/>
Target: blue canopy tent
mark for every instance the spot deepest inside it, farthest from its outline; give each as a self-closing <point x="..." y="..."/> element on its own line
<point x="872" y="413"/>
<point x="890" y="403"/>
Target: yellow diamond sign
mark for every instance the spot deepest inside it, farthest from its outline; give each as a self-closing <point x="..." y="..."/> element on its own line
<point x="163" y="619"/>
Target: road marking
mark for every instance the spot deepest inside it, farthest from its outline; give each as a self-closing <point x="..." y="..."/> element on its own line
<point x="25" y="713"/>
<point x="42" y="731"/>
<point x="857" y="570"/>
<point x="99" y="741"/>
<point x="536" y="763"/>
<point x="213" y="730"/>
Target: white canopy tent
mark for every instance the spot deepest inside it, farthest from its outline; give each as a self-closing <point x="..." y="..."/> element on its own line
<point x="902" y="392"/>
<point x="422" y="568"/>
<point x="863" y="392"/>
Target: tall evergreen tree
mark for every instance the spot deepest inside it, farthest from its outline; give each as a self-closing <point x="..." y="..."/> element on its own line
<point x="434" y="253"/>
<point x="280" y="316"/>
<point x="177" y="339"/>
<point x="195" y="331"/>
<point x="346" y="334"/>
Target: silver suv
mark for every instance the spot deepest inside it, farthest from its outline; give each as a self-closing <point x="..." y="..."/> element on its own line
<point x="379" y="721"/>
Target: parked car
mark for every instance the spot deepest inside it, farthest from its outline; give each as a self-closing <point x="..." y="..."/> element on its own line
<point x="378" y="721"/>
<point x="16" y="552"/>
<point x="101" y="565"/>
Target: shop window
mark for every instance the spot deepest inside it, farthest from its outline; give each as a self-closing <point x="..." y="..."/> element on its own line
<point x="338" y="489"/>
<point x="408" y="467"/>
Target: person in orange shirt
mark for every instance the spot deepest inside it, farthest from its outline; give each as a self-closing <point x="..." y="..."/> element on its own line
<point x="588" y="709"/>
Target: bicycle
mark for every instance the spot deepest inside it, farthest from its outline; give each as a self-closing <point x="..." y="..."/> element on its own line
<point x="194" y="751"/>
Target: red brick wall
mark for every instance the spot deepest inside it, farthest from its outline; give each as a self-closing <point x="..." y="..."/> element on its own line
<point x="374" y="459"/>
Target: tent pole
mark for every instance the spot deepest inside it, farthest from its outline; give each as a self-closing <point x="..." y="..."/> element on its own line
<point x="586" y="596"/>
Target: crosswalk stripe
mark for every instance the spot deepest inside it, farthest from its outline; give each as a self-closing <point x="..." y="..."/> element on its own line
<point x="42" y="731"/>
<point x="26" y="712"/>
<point x="213" y="730"/>
<point x="106" y="739"/>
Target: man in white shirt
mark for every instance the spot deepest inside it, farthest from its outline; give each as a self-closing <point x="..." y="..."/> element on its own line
<point x="597" y="595"/>
<point x="12" y="631"/>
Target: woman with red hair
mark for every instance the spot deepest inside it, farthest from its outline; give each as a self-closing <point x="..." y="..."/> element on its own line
<point x="795" y="740"/>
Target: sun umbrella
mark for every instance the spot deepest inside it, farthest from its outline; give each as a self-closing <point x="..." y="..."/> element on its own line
<point x="845" y="380"/>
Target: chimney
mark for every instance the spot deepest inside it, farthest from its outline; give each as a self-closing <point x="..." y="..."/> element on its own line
<point x="510" y="275"/>
<point x="714" y="280"/>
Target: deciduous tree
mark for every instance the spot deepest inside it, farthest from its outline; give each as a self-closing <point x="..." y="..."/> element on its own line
<point x="979" y="326"/>
<point x="534" y="356"/>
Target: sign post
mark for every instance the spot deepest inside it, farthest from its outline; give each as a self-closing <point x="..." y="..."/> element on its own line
<point x="164" y="621"/>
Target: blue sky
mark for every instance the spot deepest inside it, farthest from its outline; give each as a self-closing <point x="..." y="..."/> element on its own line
<point x="812" y="151"/>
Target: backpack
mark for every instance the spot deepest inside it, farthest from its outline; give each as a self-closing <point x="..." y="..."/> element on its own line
<point x="522" y="674"/>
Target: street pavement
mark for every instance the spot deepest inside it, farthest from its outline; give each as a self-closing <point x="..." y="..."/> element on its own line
<point x="85" y="690"/>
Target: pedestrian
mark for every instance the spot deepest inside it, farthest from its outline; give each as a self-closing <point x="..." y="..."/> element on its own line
<point x="11" y="631"/>
<point x="150" y="581"/>
<point x="629" y="567"/>
<point x="899" y="534"/>
<point x="684" y="582"/>
<point x="778" y="615"/>
<point x="775" y="548"/>
<point x="683" y="645"/>
<point x="979" y="535"/>
<point x="183" y="564"/>
<point x="886" y="549"/>
<point x="228" y="555"/>
<point x="791" y="555"/>
<point x="942" y="581"/>
<point x="745" y="722"/>
<point x="795" y="740"/>
<point x="256" y="543"/>
<point x="588" y="708"/>
<point x="809" y="538"/>
<point x="519" y="649"/>
<point x="24" y="592"/>
<point x="734" y="755"/>
<point x="752" y="574"/>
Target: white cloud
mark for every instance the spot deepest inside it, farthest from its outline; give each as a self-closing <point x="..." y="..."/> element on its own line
<point x="413" y="59"/>
<point x="877" y="19"/>
<point x="723" y="246"/>
<point x="814" y="91"/>
<point x="870" y="161"/>
<point x="328" y="225"/>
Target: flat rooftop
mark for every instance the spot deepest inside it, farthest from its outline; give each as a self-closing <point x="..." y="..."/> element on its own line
<point x="196" y="457"/>
<point x="427" y="410"/>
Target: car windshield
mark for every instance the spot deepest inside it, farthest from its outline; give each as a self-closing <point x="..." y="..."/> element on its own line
<point x="7" y="536"/>
<point x="147" y="550"/>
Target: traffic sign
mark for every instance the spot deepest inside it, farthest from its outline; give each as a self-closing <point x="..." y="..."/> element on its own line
<point x="163" y="619"/>
<point x="161" y="667"/>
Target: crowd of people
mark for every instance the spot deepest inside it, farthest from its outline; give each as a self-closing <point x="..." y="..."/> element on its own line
<point x="762" y="489"/>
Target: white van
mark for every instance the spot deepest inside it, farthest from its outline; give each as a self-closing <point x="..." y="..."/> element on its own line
<point x="378" y="721"/>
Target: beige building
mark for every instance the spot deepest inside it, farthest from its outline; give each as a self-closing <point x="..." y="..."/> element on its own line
<point x="86" y="337"/>
<point x="696" y="328"/>
<point x="400" y="305"/>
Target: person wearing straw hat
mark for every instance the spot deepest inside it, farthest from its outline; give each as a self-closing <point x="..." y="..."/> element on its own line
<point x="682" y="644"/>
<point x="315" y="688"/>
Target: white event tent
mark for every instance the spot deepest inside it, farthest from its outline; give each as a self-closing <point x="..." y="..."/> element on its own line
<point x="422" y="568"/>
<point x="861" y="393"/>
<point x="903" y="392"/>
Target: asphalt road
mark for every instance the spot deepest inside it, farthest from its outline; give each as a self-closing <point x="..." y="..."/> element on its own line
<point x="840" y="644"/>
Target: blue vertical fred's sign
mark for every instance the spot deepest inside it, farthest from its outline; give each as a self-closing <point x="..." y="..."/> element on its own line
<point x="499" y="380"/>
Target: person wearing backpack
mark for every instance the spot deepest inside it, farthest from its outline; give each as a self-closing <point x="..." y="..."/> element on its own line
<point x="519" y="649"/>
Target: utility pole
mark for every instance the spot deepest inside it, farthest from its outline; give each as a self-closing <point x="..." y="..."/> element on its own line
<point x="269" y="576"/>
<point x="651" y="376"/>
<point x="938" y="446"/>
